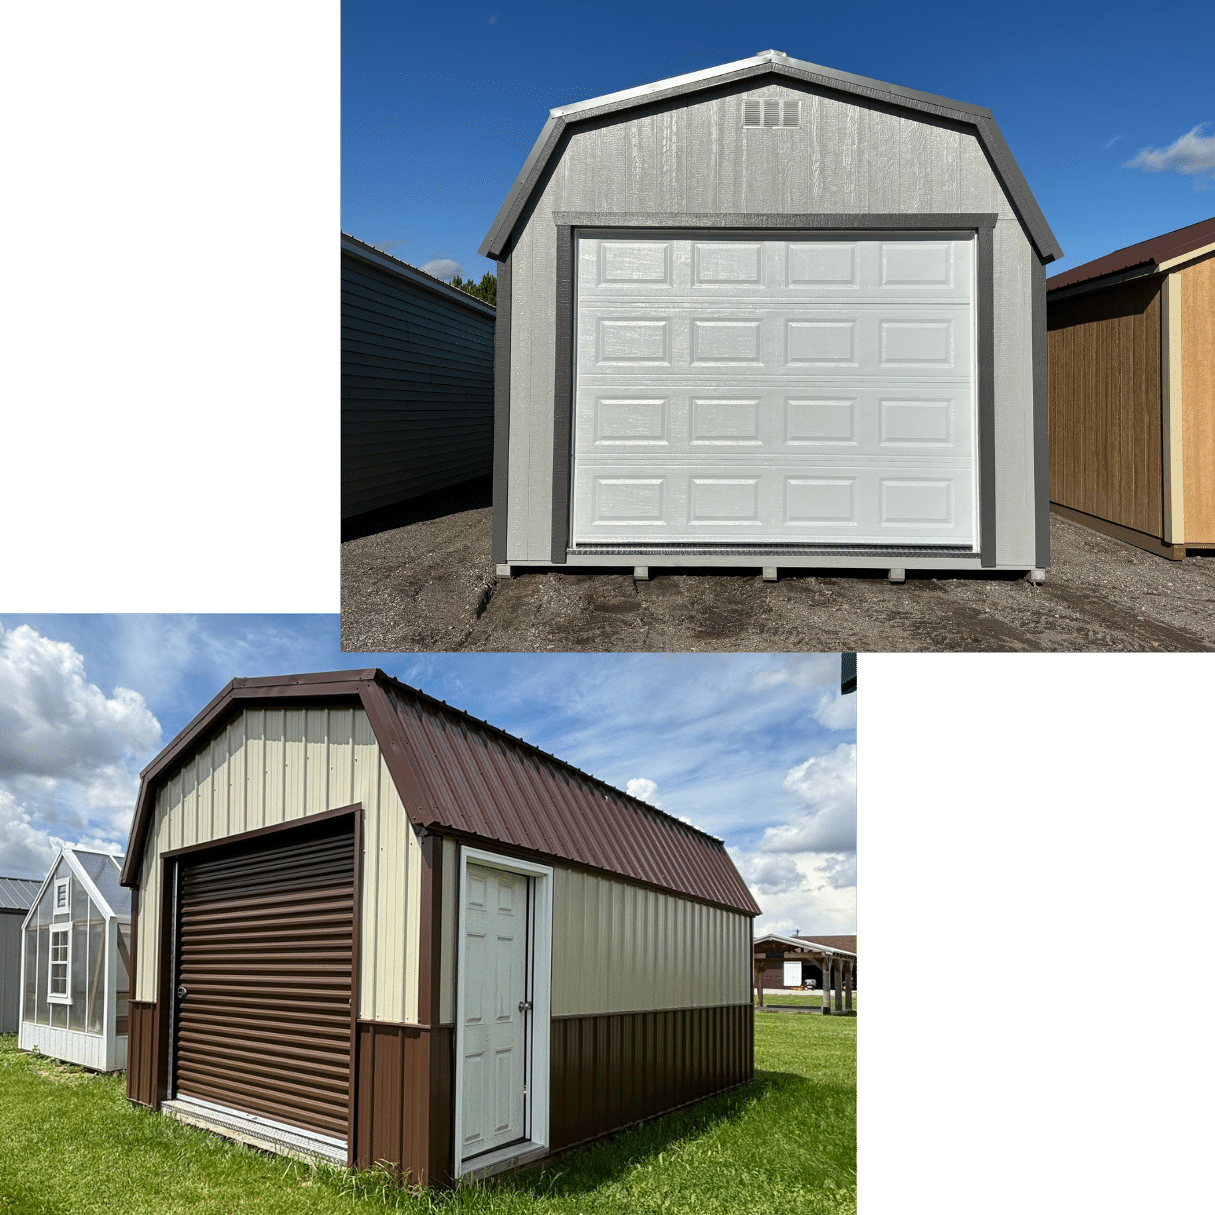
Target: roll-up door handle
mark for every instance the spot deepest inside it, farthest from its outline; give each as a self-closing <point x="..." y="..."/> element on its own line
<point x="525" y="1006"/>
<point x="181" y="993"/>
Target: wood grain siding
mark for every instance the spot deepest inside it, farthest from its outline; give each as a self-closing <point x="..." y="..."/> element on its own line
<point x="142" y="1053"/>
<point x="270" y="766"/>
<point x="1197" y="284"/>
<point x="417" y="389"/>
<point x="612" y="1070"/>
<point x="1103" y="354"/>
<point x="404" y="1100"/>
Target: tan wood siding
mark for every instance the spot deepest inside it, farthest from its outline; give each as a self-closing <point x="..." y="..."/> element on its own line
<point x="1103" y="353"/>
<point x="1197" y="285"/>
<point x="619" y="948"/>
<point x="269" y="766"/>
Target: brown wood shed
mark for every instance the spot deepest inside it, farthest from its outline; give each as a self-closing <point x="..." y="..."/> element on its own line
<point x="1131" y="364"/>
<point x="371" y="928"/>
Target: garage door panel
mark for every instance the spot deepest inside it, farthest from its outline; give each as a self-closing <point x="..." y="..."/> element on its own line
<point x="715" y="419"/>
<point x="265" y="957"/>
<point x="841" y="500"/>
<point x="734" y="389"/>
<point x="868" y="341"/>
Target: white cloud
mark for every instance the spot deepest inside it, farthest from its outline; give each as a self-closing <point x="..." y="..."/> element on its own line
<point x="827" y="784"/>
<point x="1192" y="152"/>
<point x="444" y="268"/>
<point x="837" y="713"/>
<point x="806" y="892"/>
<point x="769" y="874"/>
<point x="68" y="752"/>
<point x="644" y="790"/>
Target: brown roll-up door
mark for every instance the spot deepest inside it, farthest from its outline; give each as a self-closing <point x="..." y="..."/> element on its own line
<point x="265" y="957"/>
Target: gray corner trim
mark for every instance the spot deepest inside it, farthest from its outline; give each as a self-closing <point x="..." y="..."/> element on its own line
<point x="501" y="413"/>
<point x="1041" y="418"/>
<point x="1017" y="188"/>
<point x="979" y="119"/>
<point x="1099" y="284"/>
<point x="374" y="257"/>
<point x="986" y="360"/>
<point x="563" y="394"/>
<point x="677" y="220"/>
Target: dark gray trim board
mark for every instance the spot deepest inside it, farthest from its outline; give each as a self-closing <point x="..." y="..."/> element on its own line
<point x="1041" y="418"/>
<point x="986" y="369"/>
<point x="501" y="413"/>
<point x="563" y="394"/>
<point x="943" y="222"/>
<point x="775" y="64"/>
<point x="571" y="225"/>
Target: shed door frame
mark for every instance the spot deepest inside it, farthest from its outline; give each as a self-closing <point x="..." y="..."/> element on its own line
<point x="571" y="225"/>
<point x="169" y="936"/>
<point x="539" y="992"/>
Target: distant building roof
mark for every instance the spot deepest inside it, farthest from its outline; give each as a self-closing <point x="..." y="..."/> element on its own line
<point x="360" y="248"/>
<point x="17" y="894"/>
<point x="1147" y="257"/>
<point x="846" y="943"/>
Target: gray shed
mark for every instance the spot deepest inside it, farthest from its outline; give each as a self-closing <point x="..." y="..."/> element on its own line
<point x="771" y="314"/>
<point x="417" y="382"/>
<point x="16" y="895"/>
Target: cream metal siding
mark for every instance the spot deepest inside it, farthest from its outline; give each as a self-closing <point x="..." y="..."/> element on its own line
<point x="270" y="766"/>
<point x="624" y="948"/>
<point x="696" y="158"/>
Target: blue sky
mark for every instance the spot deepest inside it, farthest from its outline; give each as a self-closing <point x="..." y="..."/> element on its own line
<point x="441" y="104"/>
<point x="756" y="749"/>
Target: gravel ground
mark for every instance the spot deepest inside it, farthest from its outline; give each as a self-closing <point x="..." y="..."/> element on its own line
<point x="426" y="582"/>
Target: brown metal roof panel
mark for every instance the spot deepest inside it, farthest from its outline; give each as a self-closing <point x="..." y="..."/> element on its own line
<point x="1149" y="252"/>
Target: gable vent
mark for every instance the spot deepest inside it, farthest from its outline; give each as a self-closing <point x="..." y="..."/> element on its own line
<point x="771" y="111"/>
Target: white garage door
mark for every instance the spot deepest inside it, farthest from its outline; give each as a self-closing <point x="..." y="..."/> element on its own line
<point x="744" y="391"/>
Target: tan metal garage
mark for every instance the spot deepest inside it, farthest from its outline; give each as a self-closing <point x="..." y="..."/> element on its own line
<point x="369" y="927"/>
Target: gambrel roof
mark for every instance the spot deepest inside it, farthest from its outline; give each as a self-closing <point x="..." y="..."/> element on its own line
<point x="783" y="67"/>
<point x="465" y="777"/>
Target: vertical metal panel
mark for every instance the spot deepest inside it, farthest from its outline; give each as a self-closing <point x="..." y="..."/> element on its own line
<point x="141" y="1052"/>
<point x="619" y="947"/>
<point x="612" y="1070"/>
<point x="306" y="761"/>
<point x="417" y="389"/>
<point x="10" y="971"/>
<point x="265" y="959"/>
<point x="845" y="157"/>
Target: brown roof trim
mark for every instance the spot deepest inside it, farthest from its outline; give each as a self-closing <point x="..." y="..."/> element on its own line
<point x="1144" y="256"/>
<point x="374" y="690"/>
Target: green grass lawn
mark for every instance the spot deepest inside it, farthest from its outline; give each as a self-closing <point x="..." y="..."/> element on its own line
<point x="802" y="1000"/>
<point x="70" y="1144"/>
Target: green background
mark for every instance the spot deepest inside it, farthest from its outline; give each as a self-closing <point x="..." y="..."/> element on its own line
<point x="1034" y="828"/>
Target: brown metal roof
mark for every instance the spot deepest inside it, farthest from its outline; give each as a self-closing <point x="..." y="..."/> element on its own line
<point x="458" y="774"/>
<point x="1146" y="253"/>
<point x="844" y="942"/>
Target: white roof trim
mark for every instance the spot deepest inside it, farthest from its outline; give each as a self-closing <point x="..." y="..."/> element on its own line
<point x="66" y="853"/>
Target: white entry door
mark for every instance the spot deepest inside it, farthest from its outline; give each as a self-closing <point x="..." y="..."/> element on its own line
<point x="493" y="1106"/>
<point x="732" y="389"/>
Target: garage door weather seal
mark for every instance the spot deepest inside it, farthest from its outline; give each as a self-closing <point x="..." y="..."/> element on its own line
<point x="258" y="1132"/>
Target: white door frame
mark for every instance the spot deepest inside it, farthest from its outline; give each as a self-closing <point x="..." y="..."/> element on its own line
<point x="539" y="987"/>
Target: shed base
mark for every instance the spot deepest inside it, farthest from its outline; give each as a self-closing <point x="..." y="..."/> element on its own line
<point x="1128" y="535"/>
<point x="256" y="1132"/>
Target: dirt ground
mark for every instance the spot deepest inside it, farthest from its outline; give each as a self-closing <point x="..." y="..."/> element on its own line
<point x="425" y="582"/>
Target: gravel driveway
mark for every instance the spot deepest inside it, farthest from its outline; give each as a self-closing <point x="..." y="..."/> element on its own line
<point x="426" y="583"/>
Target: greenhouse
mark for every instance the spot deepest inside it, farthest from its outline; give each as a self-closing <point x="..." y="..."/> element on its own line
<point x="76" y="963"/>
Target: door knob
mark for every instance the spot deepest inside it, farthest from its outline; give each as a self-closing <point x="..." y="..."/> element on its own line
<point x="181" y="993"/>
<point x="525" y="1006"/>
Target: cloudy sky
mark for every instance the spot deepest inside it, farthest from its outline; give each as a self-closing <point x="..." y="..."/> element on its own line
<point x="432" y="143"/>
<point x="757" y="749"/>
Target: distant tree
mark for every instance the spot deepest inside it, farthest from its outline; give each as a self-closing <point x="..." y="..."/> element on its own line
<point x="486" y="289"/>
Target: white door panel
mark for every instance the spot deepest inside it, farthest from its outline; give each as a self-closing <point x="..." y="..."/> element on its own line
<point x="495" y="982"/>
<point x="745" y="390"/>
